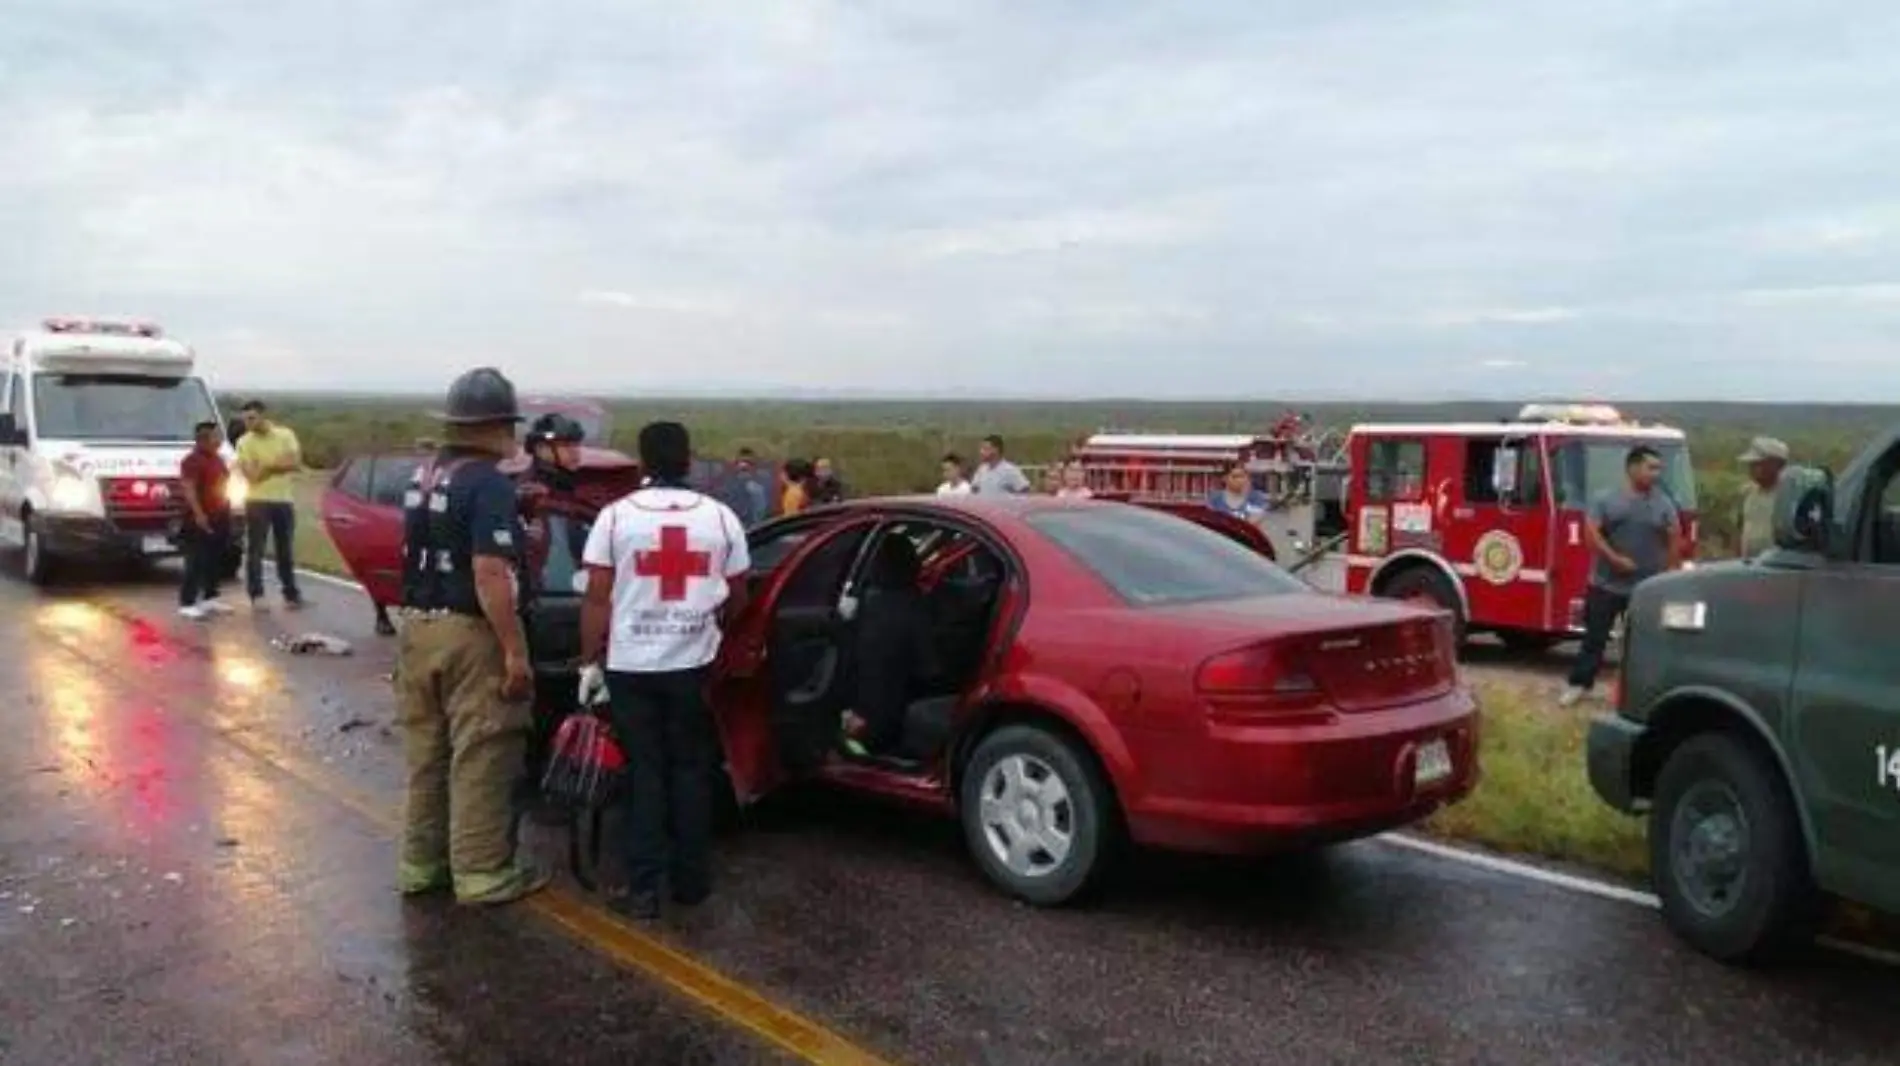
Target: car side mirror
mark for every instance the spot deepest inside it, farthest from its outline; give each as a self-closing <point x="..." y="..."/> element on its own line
<point x="1804" y="509"/>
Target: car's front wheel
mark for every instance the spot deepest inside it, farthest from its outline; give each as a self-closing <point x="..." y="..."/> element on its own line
<point x="1037" y="815"/>
<point x="35" y="565"/>
<point x="1727" y="853"/>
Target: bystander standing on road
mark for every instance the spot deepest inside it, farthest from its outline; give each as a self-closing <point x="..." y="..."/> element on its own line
<point x="204" y="478"/>
<point x="1634" y="532"/>
<point x="796" y="496"/>
<point x="269" y="457"/>
<point x="955" y="481"/>
<point x="825" y="484"/>
<point x="1073" y="482"/>
<point x="462" y="675"/>
<point x="1238" y="497"/>
<point x="1766" y="457"/>
<point x="661" y="563"/>
<point x="996" y="475"/>
<point x="750" y="501"/>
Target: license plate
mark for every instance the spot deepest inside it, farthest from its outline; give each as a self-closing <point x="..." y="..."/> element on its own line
<point x="156" y="544"/>
<point x="1433" y="764"/>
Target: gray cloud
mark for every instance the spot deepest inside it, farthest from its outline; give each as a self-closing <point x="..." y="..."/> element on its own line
<point x="1664" y="198"/>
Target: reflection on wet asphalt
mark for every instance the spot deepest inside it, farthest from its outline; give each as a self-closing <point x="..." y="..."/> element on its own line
<point x="173" y="893"/>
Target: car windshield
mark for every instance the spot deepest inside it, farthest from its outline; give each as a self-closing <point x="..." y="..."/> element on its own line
<point x="1154" y="559"/>
<point x="1583" y="470"/>
<point x="111" y="407"/>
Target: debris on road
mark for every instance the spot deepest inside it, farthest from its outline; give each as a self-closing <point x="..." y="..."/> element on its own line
<point x="312" y="644"/>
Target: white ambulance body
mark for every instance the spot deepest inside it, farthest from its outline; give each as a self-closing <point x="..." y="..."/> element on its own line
<point x="95" y="418"/>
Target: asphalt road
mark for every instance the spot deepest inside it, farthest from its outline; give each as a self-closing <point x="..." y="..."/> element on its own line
<point x="195" y="866"/>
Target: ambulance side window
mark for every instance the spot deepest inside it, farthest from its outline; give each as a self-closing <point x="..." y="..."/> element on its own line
<point x="1395" y="471"/>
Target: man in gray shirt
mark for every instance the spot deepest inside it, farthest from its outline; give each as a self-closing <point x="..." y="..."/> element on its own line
<point x="1634" y="533"/>
<point x="995" y="475"/>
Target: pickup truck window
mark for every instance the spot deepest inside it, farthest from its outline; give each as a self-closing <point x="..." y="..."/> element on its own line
<point x="1886" y="539"/>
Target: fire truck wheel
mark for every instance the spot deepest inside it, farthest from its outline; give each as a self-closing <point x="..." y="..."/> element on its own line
<point x="1427" y="587"/>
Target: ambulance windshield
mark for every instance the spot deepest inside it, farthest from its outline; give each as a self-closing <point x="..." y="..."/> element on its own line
<point x="1585" y="469"/>
<point x="102" y="407"/>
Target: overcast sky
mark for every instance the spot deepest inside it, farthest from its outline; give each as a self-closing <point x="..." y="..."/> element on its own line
<point x="1380" y="199"/>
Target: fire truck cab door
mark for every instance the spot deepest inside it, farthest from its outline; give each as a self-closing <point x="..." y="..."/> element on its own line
<point x="1499" y="533"/>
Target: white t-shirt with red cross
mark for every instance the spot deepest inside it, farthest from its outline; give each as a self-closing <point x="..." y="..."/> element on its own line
<point x="671" y="551"/>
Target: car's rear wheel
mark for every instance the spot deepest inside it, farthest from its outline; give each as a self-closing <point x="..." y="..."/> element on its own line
<point x="1428" y="587"/>
<point x="1726" y="848"/>
<point x="1037" y="815"/>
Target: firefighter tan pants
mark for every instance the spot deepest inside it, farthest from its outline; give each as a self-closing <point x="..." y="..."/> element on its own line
<point x="464" y="746"/>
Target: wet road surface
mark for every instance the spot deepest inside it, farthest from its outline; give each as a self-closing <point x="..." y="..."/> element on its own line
<point x="195" y="859"/>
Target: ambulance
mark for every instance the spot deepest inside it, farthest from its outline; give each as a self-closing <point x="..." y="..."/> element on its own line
<point x="95" y="417"/>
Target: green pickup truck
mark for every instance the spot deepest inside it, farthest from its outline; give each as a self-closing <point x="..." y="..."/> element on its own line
<point x="1757" y="720"/>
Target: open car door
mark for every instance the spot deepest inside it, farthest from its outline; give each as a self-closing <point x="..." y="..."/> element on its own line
<point x="361" y="511"/>
<point x="777" y="622"/>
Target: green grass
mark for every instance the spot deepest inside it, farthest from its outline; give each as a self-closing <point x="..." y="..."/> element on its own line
<point x="1535" y="799"/>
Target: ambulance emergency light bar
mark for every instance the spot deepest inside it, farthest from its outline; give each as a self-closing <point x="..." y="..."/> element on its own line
<point x="104" y="327"/>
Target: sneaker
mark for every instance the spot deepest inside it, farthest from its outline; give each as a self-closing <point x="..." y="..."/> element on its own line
<point x="196" y="612"/>
<point x="258" y="606"/>
<point x="1572" y="695"/>
<point x="291" y="604"/>
<point x="214" y="605"/>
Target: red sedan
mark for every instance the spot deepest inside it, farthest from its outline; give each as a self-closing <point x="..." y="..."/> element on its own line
<point x="1107" y="674"/>
<point x="1103" y="673"/>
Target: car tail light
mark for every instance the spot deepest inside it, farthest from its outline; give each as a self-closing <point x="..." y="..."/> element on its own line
<point x="1262" y="679"/>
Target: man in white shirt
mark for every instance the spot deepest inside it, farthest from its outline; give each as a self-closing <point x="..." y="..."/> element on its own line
<point x="995" y="475"/>
<point x="661" y="563"/>
<point x="954" y="483"/>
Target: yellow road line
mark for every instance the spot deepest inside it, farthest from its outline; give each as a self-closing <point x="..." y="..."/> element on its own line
<point x="623" y="942"/>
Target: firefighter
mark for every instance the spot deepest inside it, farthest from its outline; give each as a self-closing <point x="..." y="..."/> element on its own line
<point x="662" y="563"/>
<point x="554" y="446"/>
<point x="462" y="668"/>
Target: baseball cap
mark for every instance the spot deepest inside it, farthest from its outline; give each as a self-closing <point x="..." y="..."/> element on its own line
<point x="1765" y="448"/>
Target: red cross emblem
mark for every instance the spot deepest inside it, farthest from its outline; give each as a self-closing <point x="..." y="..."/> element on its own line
<point x="673" y="564"/>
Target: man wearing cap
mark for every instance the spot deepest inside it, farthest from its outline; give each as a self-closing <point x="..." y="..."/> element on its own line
<point x="462" y="673"/>
<point x="1765" y="458"/>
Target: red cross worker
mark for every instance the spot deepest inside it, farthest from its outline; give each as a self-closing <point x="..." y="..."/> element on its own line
<point x="661" y="564"/>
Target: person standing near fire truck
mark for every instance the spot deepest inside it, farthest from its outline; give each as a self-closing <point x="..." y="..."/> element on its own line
<point x="661" y="563"/>
<point x="995" y="475"/>
<point x="1634" y="533"/>
<point x="1238" y="497"/>
<point x="462" y="676"/>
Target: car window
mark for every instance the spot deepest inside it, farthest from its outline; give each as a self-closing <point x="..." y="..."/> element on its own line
<point x="1152" y="559"/>
<point x="390" y="476"/>
<point x="768" y="554"/>
<point x="353" y="479"/>
<point x="821" y="576"/>
<point x="566" y="539"/>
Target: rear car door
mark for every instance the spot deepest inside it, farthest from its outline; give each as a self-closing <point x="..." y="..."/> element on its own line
<point x="792" y="566"/>
<point x="362" y="513"/>
<point x="1845" y="705"/>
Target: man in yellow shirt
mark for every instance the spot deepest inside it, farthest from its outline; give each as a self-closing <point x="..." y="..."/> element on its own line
<point x="269" y="457"/>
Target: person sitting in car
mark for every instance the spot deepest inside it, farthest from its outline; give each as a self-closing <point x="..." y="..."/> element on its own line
<point x="895" y="652"/>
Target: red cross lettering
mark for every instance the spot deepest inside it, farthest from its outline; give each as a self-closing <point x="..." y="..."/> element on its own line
<point x="673" y="563"/>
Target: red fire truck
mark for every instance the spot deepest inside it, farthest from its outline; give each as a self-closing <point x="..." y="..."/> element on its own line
<point x="1483" y="519"/>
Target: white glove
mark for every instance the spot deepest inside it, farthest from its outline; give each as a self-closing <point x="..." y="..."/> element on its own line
<point x="593" y="690"/>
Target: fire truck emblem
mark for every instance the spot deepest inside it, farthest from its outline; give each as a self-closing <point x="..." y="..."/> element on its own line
<point x="1498" y="557"/>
